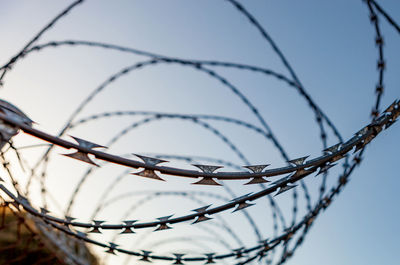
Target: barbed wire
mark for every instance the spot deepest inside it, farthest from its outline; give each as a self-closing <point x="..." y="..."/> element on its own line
<point x="374" y="128"/>
<point x="277" y="180"/>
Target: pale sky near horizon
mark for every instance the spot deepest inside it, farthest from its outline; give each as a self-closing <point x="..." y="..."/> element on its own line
<point x="330" y="45"/>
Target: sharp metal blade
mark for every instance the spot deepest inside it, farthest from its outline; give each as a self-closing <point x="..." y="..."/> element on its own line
<point x="82" y="157"/>
<point x="207" y="168"/>
<point x="148" y="173"/>
<point x="128" y="229"/>
<point x="201" y="218"/>
<point x="325" y="168"/>
<point x="96" y="228"/>
<point x="163" y="227"/>
<point x="242" y="205"/>
<point x="202" y="209"/>
<point x="69" y="219"/>
<point x="284" y="189"/>
<point x="150" y="160"/>
<point x="256" y="168"/>
<point x="239" y="253"/>
<point x="43" y="211"/>
<point x="164" y="218"/>
<point x="333" y="148"/>
<point x="145" y="255"/>
<point x="111" y="249"/>
<point x="298" y="161"/>
<point x="86" y="144"/>
<point x="210" y="258"/>
<point x="257" y="180"/>
<point x="178" y="258"/>
<point x="207" y="181"/>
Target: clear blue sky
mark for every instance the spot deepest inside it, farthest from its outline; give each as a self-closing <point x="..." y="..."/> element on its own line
<point x="330" y="44"/>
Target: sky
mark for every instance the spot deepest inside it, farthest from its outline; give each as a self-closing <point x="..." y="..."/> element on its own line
<point x="330" y="45"/>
